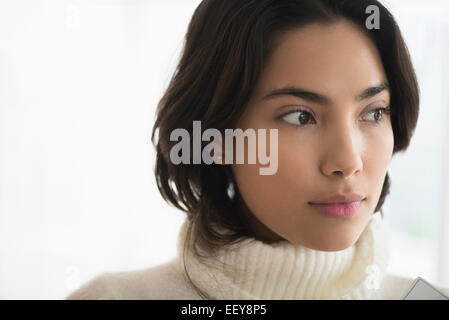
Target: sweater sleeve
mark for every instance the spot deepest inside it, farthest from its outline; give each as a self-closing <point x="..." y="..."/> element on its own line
<point x="160" y="282"/>
<point x="97" y="288"/>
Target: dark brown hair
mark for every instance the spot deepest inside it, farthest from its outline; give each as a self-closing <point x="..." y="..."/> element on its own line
<point x="226" y="47"/>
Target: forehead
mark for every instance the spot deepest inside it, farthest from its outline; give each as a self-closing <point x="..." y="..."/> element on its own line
<point x="336" y="59"/>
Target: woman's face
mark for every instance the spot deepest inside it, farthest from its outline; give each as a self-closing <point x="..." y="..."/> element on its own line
<point x="330" y="140"/>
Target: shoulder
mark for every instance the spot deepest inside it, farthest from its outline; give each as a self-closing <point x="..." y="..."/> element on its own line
<point x="164" y="281"/>
<point x="395" y="286"/>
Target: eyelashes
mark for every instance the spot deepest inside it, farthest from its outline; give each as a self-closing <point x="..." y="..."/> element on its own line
<point x="296" y="116"/>
<point x="385" y="111"/>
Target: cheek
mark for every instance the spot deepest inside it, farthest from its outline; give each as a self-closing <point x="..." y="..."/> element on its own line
<point x="378" y="153"/>
<point x="297" y="168"/>
<point x="261" y="193"/>
<point x="378" y="150"/>
<point x="269" y="196"/>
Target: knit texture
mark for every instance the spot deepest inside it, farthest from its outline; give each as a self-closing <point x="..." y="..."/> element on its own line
<point x="253" y="269"/>
<point x="256" y="270"/>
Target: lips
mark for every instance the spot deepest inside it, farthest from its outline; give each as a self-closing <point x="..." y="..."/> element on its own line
<point x="342" y="199"/>
<point x="338" y="210"/>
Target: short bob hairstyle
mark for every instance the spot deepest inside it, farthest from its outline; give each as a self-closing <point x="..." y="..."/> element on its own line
<point x="227" y="44"/>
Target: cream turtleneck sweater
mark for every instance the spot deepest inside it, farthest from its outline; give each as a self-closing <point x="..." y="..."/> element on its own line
<point x="284" y="271"/>
<point x="256" y="270"/>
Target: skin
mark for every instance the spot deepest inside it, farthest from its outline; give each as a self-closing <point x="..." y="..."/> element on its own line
<point x="333" y="147"/>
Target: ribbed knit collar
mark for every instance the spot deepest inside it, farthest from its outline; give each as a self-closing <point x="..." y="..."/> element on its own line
<point x="257" y="270"/>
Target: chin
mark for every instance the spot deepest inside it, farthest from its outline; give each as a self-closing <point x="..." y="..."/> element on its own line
<point x="335" y="247"/>
<point x="328" y="244"/>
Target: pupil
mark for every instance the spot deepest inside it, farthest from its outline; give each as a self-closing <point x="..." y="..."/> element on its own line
<point x="378" y="115"/>
<point x="301" y="117"/>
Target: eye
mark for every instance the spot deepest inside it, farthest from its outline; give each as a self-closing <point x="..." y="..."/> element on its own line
<point x="378" y="113"/>
<point x="297" y="117"/>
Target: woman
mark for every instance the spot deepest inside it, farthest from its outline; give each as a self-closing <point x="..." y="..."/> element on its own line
<point x="343" y="99"/>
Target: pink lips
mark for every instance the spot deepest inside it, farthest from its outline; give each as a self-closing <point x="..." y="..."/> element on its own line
<point x="338" y="210"/>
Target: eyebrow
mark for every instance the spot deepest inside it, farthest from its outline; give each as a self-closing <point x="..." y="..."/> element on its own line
<point x="322" y="99"/>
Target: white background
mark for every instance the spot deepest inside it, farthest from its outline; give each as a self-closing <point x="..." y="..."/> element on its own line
<point x="79" y="84"/>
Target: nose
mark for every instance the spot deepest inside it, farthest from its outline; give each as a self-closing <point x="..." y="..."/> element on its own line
<point x="341" y="155"/>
